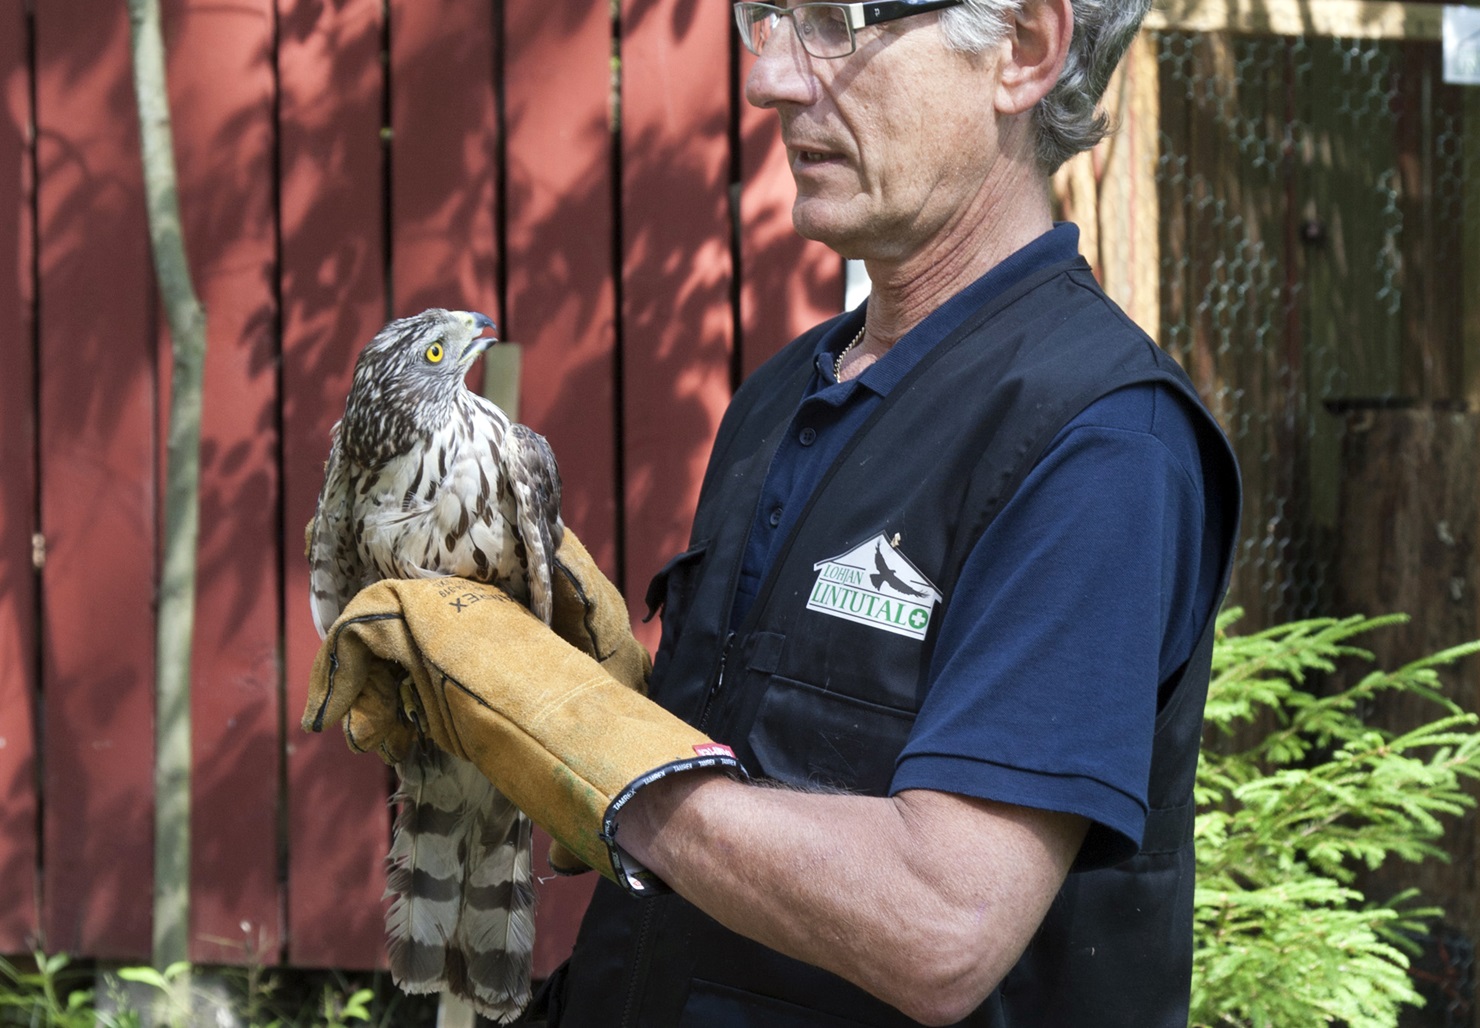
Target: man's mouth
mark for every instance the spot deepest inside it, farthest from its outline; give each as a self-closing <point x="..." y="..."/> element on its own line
<point x="806" y="156"/>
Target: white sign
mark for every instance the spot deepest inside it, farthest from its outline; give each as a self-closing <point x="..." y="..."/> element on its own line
<point x="1462" y="45"/>
<point x="875" y="584"/>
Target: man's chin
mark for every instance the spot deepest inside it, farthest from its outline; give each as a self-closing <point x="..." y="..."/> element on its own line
<point x="824" y="224"/>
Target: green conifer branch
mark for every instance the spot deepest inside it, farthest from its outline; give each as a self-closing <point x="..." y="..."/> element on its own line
<point x="1287" y="821"/>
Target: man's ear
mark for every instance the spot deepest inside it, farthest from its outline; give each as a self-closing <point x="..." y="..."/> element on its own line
<point x="1033" y="55"/>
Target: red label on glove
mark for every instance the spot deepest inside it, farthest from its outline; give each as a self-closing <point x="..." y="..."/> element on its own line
<point x="714" y="749"/>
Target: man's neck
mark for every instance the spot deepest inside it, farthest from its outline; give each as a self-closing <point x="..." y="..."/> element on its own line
<point x="907" y="290"/>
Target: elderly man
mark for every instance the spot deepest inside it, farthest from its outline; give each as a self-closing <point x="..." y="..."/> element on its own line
<point x="952" y="583"/>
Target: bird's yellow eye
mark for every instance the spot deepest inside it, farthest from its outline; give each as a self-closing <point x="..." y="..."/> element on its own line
<point x="435" y="353"/>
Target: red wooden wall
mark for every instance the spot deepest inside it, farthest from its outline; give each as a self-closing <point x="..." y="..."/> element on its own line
<point x="339" y="164"/>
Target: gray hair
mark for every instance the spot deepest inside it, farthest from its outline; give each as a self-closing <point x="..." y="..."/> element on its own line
<point x="1067" y="119"/>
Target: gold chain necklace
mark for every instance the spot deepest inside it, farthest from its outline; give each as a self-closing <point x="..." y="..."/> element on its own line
<point x="838" y="364"/>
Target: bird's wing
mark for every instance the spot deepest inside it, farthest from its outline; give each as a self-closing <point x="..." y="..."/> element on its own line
<point x="535" y="480"/>
<point x="334" y="571"/>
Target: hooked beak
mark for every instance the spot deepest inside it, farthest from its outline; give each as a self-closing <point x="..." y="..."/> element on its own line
<point x="481" y="343"/>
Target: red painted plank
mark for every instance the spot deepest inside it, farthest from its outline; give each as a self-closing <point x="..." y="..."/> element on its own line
<point x="676" y="274"/>
<point x="562" y="299"/>
<point x="98" y="509"/>
<point x="19" y="913"/>
<point x="787" y="283"/>
<point x="331" y="84"/>
<point x="443" y="146"/>
<point x="221" y="81"/>
<point x="561" y="285"/>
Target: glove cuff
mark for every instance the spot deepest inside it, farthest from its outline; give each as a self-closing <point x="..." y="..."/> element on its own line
<point x="627" y="871"/>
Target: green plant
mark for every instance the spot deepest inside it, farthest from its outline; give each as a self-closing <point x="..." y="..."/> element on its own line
<point x="341" y="1010"/>
<point x="58" y="994"/>
<point x="1283" y="935"/>
<point x="171" y="987"/>
<point x="52" y="995"/>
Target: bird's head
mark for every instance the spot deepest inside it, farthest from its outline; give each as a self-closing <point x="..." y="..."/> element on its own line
<point x="408" y="377"/>
<point x="429" y="352"/>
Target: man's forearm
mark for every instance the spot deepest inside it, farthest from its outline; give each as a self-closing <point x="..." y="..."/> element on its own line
<point x="925" y="899"/>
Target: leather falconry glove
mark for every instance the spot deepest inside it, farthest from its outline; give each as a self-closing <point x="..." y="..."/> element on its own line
<point x="590" y="614"/>
<point x="546" y="723"/>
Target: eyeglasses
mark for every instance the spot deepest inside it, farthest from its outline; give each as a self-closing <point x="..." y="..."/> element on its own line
<point x="826" y="30"/>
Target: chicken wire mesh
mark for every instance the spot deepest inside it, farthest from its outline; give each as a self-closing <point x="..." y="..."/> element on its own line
<point x="1316" y="273"/>
<point x="1310" y="201"/>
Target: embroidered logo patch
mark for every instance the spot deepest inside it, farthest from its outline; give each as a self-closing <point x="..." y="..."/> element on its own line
<point x="875" y="584"/>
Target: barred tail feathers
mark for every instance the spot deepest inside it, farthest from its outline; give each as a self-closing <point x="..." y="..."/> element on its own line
<point x="424" y="870"/>
<point x="495" y="934"/>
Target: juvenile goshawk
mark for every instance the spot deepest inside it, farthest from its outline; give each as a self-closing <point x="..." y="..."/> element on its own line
<point x="425" y="478"/>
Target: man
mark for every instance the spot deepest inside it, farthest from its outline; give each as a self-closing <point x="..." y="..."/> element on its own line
<point x="952" y="580"/>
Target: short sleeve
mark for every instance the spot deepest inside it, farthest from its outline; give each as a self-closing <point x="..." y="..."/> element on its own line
<point x="1083" y="595"/>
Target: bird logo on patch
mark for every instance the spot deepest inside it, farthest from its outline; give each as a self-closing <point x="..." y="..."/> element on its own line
<point x="886" y="575"/>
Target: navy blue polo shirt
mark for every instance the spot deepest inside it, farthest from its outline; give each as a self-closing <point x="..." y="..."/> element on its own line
<point x="1082" y="597"/>
<point x="831" y="411"/>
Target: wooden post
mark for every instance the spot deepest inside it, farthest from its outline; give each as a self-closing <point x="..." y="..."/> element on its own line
<point x="1127" y="217"/>
<point x="1348" y="19"/>
<point x="1409" y="528"/>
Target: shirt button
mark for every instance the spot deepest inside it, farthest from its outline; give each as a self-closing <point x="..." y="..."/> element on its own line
<point x="775" y="516"/>
<point x="807" y="437"/>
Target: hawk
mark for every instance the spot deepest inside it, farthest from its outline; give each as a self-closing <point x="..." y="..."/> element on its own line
<point x="426" y="478"/>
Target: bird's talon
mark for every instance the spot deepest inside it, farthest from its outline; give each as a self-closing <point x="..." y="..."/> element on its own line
<point x="411" y="706"/>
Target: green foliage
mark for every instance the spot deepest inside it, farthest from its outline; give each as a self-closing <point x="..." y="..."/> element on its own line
<point x="57" y="994"/>
<point x="1285" y="824"/>
<point x="44" y="996"/>
<point x="339" y="1010"/>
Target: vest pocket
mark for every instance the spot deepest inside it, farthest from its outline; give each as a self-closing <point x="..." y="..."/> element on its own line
<point x="806" y="736"/>
<point x="669" y="591"/>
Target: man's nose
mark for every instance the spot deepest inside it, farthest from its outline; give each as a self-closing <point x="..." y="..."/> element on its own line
<point x="782" y="73"/>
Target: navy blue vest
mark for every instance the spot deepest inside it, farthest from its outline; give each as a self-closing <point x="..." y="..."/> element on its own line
<point x="937" y="460"/>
